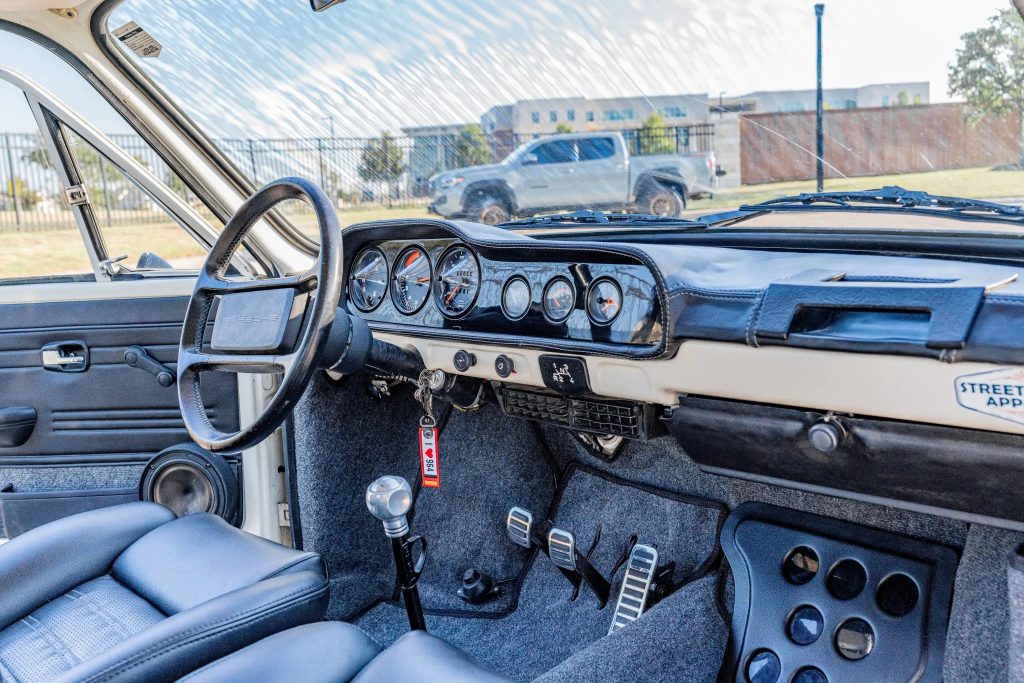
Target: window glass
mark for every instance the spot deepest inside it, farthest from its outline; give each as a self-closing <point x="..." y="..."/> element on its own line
<point x="556" y="152"/>
<point x="38" y="233"/>
<point x="592" y="149"/>
<point x="132" y="224"/>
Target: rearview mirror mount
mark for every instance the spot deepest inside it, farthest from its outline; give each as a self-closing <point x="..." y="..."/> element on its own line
<point x="321" y="5"/>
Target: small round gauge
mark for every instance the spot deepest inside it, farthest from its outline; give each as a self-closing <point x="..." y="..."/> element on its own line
<point x="410" y="280"/>
<point x="369" y="280"/>
<point x="604" y="300"/>
<point x="457" y="282"/>
<point x="559" y="299"/>
<point x="516" y="299"/>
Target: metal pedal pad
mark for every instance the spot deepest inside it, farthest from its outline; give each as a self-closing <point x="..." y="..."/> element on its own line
<point x="519" y="526"/>
<point x="636" y="585"/>
<point x="562" y="548"/>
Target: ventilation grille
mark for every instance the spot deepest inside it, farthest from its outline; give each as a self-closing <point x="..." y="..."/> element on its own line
<point x="590" y="415"/>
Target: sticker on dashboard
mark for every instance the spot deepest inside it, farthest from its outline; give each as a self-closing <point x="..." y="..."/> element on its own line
<point x="999" y="393"/>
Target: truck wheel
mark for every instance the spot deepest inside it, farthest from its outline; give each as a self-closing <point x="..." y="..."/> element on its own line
<point x="662" y="201"/>
<point x="489" y="210"/>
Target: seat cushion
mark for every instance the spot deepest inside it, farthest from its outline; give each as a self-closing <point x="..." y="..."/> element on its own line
<point x="77" y="626"/>
<point x="130" y="593"/>
<point x="418" y="657"/>
<point x="328" y="652"/>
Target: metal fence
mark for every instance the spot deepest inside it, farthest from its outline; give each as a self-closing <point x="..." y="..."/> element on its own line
<point x="355" y="172"/>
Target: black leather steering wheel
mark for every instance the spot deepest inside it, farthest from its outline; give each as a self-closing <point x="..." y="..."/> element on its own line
<point x="317" y="292"/>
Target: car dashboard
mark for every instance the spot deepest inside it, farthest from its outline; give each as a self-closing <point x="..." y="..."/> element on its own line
<point x="868" y="376"/>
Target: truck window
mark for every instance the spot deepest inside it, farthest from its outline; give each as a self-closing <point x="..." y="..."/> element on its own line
<point x="592" y="149"/>
<point x="555" y="152"/>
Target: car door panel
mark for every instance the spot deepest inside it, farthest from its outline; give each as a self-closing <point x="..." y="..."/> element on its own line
<point x="110" y="412"/>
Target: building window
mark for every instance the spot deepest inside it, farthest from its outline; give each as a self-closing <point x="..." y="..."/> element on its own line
<point x="617" y="115"/>
<point x="552" y="116"/>
<point x="885" y="100"/>
<point x="673" y="112"/>
<point x="535" y="117"/>
<point x="590" y="116"/>
<point x="570" y="115"/>
<point x="917" y="99"/>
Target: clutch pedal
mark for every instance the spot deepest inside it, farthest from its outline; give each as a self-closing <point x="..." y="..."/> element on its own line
<point x="562" y="549"/>
<point x="636" y="586"/>
<point x="519" y="527"/>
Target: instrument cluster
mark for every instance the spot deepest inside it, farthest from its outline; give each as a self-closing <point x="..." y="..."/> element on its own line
<point x="448" y="284"/>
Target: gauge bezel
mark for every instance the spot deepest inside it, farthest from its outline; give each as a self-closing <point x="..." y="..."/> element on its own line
<point x="436" y="282"/>
<point x="387" y="279"/>
<point x="544" y="299"/>
<point x="529" y="289"/>
<point x="590" y="289"/>
<point x="430" y="275"/>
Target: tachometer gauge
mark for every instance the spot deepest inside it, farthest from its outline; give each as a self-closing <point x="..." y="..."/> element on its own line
<point x="410" y="280"/>
<point x="516" y="299"/>
<point x="369" y="280"/>
<point x="604" y="300"/>
<point x="559" y="299"/>
<point x="457" y="282"/>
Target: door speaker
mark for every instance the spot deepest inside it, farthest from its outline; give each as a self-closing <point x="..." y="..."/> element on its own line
<point x="188" y="479"/>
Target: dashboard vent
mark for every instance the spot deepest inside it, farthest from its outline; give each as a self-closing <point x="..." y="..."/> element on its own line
<point x="619" y="418"/>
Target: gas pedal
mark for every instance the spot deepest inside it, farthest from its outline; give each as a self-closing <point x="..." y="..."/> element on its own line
<point x="562" y="548"/>
<point x="636" y="586"/>
<point x="519" y="526"/>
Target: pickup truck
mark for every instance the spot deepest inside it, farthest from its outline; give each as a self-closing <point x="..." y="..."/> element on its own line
<point x="573" y="171"/>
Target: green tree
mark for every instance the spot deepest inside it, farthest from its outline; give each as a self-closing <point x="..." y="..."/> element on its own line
<point x="563" y="127"/>
<point x="988" y="71"/>
<point x="471" y="148"/>
<point x="27" y="197"/>
<point x="381" y="161"/>
<point x="655" y="136"/>
<point x="902" y="99"/>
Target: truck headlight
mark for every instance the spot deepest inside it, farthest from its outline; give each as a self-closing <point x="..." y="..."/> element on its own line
<point x="451" y="182"/>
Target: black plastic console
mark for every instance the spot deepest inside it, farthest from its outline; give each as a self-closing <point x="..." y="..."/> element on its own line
<point x="819" y="600"/>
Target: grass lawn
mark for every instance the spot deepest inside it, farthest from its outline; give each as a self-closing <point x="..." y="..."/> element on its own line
<point x="976" y="183"/>
<point x="50" y="252"/>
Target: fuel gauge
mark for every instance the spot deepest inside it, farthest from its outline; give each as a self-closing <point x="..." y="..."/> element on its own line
<point x="410" y="280"/>
<point x="604" y="300"/>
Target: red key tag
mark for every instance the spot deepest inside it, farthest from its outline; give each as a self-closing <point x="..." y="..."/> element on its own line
<point x="430" y="466"/>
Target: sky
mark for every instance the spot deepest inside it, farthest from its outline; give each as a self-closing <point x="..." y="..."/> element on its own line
<point x="250" y="68"/>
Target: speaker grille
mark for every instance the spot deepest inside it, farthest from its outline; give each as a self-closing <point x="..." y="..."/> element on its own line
<point x="188" y="480"/>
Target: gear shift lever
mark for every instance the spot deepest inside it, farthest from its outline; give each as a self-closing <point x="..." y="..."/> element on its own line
<point x="389" y="499"/>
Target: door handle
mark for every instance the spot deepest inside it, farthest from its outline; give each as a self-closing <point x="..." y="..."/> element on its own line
<point x="65" y="356"/>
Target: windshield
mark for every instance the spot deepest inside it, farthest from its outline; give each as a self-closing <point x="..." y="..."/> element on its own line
<point x="493" y="110"/>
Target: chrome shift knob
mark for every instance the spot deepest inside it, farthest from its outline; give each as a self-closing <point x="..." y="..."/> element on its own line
<point x="389" y="499"/>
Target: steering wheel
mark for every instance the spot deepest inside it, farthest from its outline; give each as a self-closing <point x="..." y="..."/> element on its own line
<point x="269" y="325"/>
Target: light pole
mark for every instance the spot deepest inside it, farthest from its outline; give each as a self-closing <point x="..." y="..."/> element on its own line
<point x="819" y="10"/>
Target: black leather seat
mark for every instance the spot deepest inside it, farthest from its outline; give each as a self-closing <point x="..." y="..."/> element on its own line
<point x="335" y="652"/>
<point x="131" y="593"/>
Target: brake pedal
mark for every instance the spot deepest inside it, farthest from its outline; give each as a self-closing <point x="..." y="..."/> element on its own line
<point x="519" y="527"/>
<point x="636" y="586"/>
<point x="562" y="549"/>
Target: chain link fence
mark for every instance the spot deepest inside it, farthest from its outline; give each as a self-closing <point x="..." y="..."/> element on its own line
<point x="357" y="173"/>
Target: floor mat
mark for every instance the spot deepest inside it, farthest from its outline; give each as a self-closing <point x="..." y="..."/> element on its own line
<point x="546" y="628"/>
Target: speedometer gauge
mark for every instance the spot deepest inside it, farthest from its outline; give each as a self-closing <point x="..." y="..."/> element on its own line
<point x="369" y="281"/>
<point x="559" y="299"/>
<point x="457" y="282"/>
<point x="604" y="300"/>
<point x="410" y="280"/>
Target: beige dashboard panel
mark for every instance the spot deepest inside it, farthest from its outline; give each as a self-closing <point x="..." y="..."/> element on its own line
<point x="893" y="387"/>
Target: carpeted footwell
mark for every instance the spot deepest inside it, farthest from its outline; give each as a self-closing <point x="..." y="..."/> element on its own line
<point x="550" y="634"/>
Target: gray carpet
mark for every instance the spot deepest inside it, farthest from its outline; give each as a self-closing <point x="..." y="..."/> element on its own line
<point x="1015" y="586"/>
<point x="547" y="628"/>
<point x="345" y="440"/>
